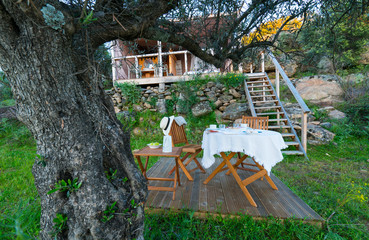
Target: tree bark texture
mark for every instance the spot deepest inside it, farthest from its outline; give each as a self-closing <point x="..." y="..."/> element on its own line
<point x="77" y="133"/>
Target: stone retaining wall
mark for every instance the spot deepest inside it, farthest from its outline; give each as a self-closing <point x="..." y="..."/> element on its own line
<point x="228" y="103"/>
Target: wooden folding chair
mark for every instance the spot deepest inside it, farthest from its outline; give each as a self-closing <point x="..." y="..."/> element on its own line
<point x="178" y="135"/>
<point x="256" y="123"/>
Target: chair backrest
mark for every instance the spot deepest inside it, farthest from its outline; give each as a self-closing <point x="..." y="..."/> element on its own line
<point x="256" y="122"/>
<point x="178" y="134"/>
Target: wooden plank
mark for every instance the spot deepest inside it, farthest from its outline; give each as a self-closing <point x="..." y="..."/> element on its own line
<point x="236" y="200"/>
<point x="160" y="194"/>
<point x="154" y="171"/>
<point x="220" y="200"/>
<point x="265" y="193"/>
<point x="306" y="208"/>
<point x="203" y="191"/>
<point x="194" y="200"/>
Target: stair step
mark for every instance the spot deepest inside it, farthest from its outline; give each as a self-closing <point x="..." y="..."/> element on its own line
<point x="269" y="113"/>
<point x="293" y="152"/>
<point x="255" y="75"/>
<point x="269" y="90"/>
<point x="277" y="120"/>
<point x="258" y="86"/>
<point x="259" y="96"/>
<point x="292" y="143"/>
<point x="288" y="135"/>
<point x="267" y="101"/>
<point x="252" y="82"/>
<point x="256" y="108"/>
<point x="279" y="126"/>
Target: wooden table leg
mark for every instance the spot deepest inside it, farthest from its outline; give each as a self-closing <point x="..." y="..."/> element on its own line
<point x="143" y="170"/>
<point x="174" y="168"/>
<point x="238" y="179"/>
<point x="270" y="181"/>
<point x="217" y="170"/>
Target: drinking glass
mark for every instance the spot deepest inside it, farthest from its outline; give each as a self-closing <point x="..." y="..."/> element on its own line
<point x="222" y="126"/>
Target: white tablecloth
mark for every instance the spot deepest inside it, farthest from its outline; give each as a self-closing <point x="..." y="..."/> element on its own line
<point x="264" y="146"/>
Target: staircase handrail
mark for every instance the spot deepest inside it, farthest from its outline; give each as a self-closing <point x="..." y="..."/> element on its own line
<point x="288" y="82"/>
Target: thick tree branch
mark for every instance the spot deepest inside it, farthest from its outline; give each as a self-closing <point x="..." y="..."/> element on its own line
<point x="135" y="21"/>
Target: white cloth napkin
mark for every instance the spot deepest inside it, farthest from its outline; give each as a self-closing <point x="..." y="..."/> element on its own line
<point x="264" y="146"/>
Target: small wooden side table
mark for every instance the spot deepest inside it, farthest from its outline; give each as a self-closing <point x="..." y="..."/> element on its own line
<point x="158" y="152"/>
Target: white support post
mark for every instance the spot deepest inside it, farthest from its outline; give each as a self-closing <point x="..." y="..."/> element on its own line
<point x="113" y="70"/>
<point x="136" y="67"/>
<point x="304" y="130"/>
<point x="160" y="60"/>
<point x="251" y="69"/>
<point x="277" y="88"/>
<point x="277" y="81"/>
<point x="262" y="62"/>
<point x="185" y="59"/>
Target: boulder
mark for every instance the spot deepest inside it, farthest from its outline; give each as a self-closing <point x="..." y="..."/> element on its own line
<point x="225" y="98"/>
<point x="211" y="95"/>
<point x="161" y="106"/>
<point x="137" y="107"/>
<point x="335" y="114"/>
<point x="201" y="109"/>
<point x="326" y="125"/>
<point x="318" y="135"/>
<point x="218" y="103"/>
<point x="364" y="57"/>
<point x="235" y="110"/>
<point x="218" y="116"/>
<point x="210" y="84"/>
<point x="325" y="66"/>
<point x="147" y="105"/>
<point x="234" y="93"/>
<point x="322" y="90"/>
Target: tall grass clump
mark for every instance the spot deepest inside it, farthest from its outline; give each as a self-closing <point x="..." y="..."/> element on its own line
<point x="19" y="203"/>
<point x="356" y="106"/>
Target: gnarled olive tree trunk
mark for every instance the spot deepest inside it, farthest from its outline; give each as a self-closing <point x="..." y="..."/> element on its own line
<point x="77" y="133"/>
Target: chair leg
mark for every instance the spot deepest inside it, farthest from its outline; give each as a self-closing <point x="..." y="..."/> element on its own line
<point x="184" y="158"/>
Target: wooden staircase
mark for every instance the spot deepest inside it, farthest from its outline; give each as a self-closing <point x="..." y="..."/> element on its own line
<point x="263" y="101"/>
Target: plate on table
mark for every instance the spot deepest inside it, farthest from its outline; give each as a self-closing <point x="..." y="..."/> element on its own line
<point x="154" y="145"/>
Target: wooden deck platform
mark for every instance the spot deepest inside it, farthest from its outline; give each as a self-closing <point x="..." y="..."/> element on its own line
<point x="223" y="195"/>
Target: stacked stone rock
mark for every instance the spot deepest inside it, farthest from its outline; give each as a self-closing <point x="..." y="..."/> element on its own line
<point x="230" y="103"/>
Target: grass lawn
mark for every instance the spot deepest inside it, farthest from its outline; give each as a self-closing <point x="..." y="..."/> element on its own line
<point x="333" y="181"/>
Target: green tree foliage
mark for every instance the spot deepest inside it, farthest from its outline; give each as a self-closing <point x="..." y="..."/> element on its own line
<point x="339" y="31"/>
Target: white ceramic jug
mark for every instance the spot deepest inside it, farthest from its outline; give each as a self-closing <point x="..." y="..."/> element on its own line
<point x="167" y="144"/>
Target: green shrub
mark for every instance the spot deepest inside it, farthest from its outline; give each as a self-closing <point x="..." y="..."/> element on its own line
<point x="130" y="91"/>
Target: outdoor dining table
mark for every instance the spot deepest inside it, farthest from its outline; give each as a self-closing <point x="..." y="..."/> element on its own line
<point x="262" y="145"/>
